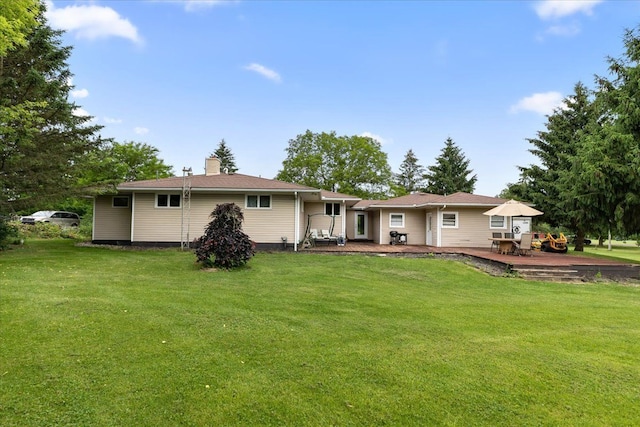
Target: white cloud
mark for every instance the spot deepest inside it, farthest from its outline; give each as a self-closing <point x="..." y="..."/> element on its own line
<point x="91" y="22"/>
<point x="264" y="71"/>
<point x="552" y="9"/>
<point x="80" y="112"/>
<point x="79" y="93"/>
<point x="192" y="5"/>
<point x="563" y="30"/>
<point x="111" y="120"/>
<point x="140" y="130"/>
<point x="378" y="138"/>
<point x="541" y="103"/>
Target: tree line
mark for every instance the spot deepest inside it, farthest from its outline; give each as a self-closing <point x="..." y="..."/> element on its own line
<point x="587" y="178"/>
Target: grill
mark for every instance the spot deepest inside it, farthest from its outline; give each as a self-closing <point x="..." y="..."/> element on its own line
<point x="398" y="238"/>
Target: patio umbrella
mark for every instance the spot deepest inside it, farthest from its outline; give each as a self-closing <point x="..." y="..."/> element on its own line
<point x="513" y="208"/>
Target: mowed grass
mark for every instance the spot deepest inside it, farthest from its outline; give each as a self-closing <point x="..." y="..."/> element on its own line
<point x="100" y="337"/>
<point x="628" y="252"/>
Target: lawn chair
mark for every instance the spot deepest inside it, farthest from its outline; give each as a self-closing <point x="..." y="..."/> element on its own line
<point x="494" y="242"/>
<point x="524" y="247"/>
<point x="326" y="237"/>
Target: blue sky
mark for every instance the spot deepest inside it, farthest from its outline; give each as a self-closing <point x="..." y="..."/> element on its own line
<point x="182" y="75"/>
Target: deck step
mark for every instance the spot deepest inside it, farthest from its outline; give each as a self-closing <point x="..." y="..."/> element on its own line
<point x="553" y="274"/>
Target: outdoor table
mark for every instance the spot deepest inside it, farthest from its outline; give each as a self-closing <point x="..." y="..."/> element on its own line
<point x="505" y="244"/>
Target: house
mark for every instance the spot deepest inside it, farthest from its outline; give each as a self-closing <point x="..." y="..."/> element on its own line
<point x="175" y="211"/>
<point x="454" y="220"/>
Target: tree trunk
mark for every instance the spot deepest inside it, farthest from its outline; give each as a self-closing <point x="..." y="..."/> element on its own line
<point x="579" y="240"/>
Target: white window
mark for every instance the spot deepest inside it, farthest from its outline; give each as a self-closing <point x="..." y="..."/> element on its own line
<point x="332" y="209"/>
<point x="120" y="202"/>
<point x="497" y="221"/>
<point x="258" y="202"/>
<point x="396" y="220"/>
<point x="168" y="200"/>
<point x="449" y="219"/>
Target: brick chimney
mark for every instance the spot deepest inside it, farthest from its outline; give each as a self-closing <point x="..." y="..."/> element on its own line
<point x="212" y="166"/>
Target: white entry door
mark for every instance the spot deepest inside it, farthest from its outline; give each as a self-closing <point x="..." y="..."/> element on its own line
<point x="519" y="225"/>
<point x="361" y="225"/>
<point x="429" y="229"/>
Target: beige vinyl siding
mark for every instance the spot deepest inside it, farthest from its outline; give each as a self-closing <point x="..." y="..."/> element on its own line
<point x="164" y="224"/>
<point x="319" y="220"/>
<point x="473" y="229"/>
<point x="270" y="225"/>
<point x="111" y="223"/>
<point x="350" y="231"/>
<point x="201" y="207"/>
<point x="414" y="225"/>
<point x="374" y="221"/>
<point x="151" y="224"/>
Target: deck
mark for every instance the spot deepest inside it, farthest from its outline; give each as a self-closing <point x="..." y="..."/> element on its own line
<point x="540" y="265"/>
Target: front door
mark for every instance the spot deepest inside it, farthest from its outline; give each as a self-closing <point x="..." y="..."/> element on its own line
<point x="429" y="229"/>
<point x="361" y="225"/>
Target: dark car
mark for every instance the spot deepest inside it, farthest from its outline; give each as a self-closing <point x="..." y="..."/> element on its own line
<point x="62" y="218"/>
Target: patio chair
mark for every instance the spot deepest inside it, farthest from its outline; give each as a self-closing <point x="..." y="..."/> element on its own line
<point x="495" y="243"/>
<point x="524" y="247"/>
<point x="325" y="236"/>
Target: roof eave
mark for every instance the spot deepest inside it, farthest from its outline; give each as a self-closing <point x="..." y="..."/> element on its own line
<point x="220" y="190"/>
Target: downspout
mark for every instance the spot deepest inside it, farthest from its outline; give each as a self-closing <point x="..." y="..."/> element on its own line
<point x="344" y="219"/>
<point x="133" y="210"/>
<point x="439" y="222"/>
<point x="380" y="228"/>
<point x="296" y="221"/>
<point x="93" y="219"/>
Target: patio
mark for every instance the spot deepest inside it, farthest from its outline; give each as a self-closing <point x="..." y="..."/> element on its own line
<point x="540" y="265"/>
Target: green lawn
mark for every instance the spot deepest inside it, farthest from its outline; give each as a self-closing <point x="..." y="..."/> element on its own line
<point x="93" y="336"/>
<point x="621" y="251"/>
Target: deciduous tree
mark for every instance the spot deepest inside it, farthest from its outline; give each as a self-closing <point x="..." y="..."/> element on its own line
<point x="17" y="20"/>
<point x="353" y="165"/>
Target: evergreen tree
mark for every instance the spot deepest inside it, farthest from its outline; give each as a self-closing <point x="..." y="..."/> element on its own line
<point x="613" y="159"/>
<point x="226" y="157"/>
<point x="450" y="173"/>
<point x="43" y="144"/>
<point x="411" y="174"/>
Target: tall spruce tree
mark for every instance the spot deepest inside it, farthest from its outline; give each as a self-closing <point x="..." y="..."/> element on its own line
<point x="610" y="162"/>
<point x="411" y="175"/>
<point x="451" y="172"/>
<point x="42" y="151"/>
<point x="226" y="157"/>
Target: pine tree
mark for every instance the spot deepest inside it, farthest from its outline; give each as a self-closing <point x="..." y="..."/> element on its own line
<point x="43" y="144"/>
<point x="226" y="157"/>
<point x="449" y="174"/>
<point x="411" y="176"/>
